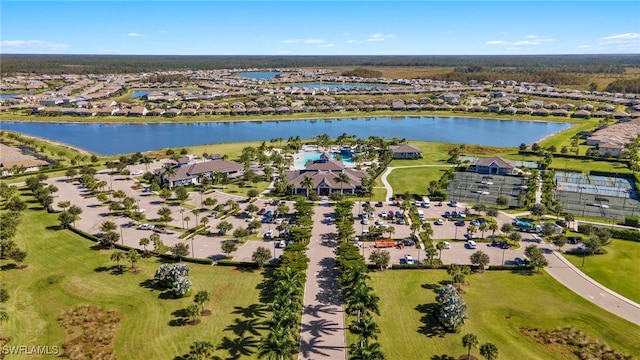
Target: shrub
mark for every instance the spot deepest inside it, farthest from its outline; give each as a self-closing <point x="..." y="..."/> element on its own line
<point x="631" y="221"/>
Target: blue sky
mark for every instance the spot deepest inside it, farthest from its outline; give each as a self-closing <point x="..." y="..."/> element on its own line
<point x="320" y="27"/>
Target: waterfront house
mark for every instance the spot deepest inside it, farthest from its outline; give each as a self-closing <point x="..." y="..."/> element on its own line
<point x="323" y="177"/>
<point x="189" y="172"/>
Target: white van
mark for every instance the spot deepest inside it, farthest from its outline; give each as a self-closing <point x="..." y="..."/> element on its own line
<point x="426" y="202"/>
<point x="421" y="214"/>
<point x="471" y="244"/>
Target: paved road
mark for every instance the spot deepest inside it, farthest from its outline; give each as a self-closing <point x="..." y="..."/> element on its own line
<point x="323" y="331"/>
<point x="577" y="281"/>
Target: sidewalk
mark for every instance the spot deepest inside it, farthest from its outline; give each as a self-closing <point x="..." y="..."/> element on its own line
<point x="323" y="331"/>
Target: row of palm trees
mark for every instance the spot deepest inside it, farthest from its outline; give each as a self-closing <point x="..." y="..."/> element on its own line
<point x="360" y="301"/>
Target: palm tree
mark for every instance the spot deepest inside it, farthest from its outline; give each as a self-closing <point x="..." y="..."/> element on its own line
<point x="391" y="230"/>
<point x="202" y="297"/>
<point x="144" y="242"/>
<point x="366" y="328"/>
<point x="483" y="227"/>
<point x="441" y="246"/>
<point x="370" y="351"/>
<point x="133" y="255"/>
<point x="428" y="230"/>
<point x="430" y="252"/>
<point x="493" y="227"/>
<point x="469" y="341"/>
<point x="201" y="350"/>
<point x="187" y="219"/>
<point x="489" y="351"/>
<point x="342" y="179"/>
<point x="168" y="171"/>
<point x="146" y="160"/>
<point x="278" y="344"/>
<point x="307" y="183"/>
<point x="117" y="257"/>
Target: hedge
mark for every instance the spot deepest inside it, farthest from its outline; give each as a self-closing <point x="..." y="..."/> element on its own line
<point x="83" y="234"/>
<point x="622" y="234"/>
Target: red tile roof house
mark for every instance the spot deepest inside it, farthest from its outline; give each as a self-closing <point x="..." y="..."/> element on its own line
<point x="190" y="173"/>
<point x="323" y="177"/>
<point x="495" y="165"/>
<point x="406" y="151"/>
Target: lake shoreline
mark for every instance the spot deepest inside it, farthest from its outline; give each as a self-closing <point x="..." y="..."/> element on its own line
<point x="316" y="116"/>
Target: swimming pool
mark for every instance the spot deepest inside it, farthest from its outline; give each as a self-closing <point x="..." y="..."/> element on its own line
<point x="315" y="155"/>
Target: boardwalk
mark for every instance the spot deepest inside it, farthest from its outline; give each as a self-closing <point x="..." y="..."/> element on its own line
<point x="322" y="334"/>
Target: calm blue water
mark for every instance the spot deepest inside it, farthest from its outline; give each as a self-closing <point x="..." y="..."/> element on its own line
<point x="339" y="86"/>
<point x="315" y="155"/>
<point x="140" y="93"/>
<point x="259" y="74"/>
<point x="7" y="96"/>
<point x="112" y="139"/>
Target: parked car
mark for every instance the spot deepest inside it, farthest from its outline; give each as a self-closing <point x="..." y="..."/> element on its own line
<point x="461" y="214"/>
<point x="383" y="214"/>
<point x="379" y="222"/>
<point x="401" y="221"/>
<point x="213" y="214"/>
<point x="409" y="259"/>
<point x="262" y="211"/>
<point x="446" y="214"/>
<point x="439" y="222"/>
<point x="471" y="244"/>
<point x="459" y="223"/>
<point x="365" y="222"/>
<point x="447" y="245"/>
<point x="379" y="204"/>
<point x="398" y="214"/>
<point x="409" y="242"/>
<point x="145" y="227"/>
<point x="268" y="234"/>
<point x="390" y="215"/>
<point x="268" y="213"/>
<point x="281" y="244"/>
<point x="249" y="219"/>
<point x="474" y="223"/>
<point x="519" y="261"/>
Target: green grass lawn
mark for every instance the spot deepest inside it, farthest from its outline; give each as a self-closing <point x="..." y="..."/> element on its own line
<point x="414" y="180"/>
<point x="498" y="304"/>
<point x="432" y="153"/>
<point x="235" y="189"/>
<point x="64" y="272"/>
<point x="616" y="269"/>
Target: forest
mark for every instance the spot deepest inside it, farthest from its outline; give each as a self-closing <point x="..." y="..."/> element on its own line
<point x="541" y="65"/>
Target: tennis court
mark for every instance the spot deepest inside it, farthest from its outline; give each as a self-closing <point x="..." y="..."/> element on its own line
<point x="469" y="187"/>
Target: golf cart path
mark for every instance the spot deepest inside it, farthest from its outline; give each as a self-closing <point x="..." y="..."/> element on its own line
<point x="575" y="280"/>
<point x="323" y="329"/>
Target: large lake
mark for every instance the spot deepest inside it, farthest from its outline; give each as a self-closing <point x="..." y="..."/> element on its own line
<point x="259" y="74"/>
<point x="110" y="139"/>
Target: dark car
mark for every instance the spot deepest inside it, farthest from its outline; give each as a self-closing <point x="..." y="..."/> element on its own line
<point x="408" y="242"/>
<point x="459" y="223"/>
<point x="447" y="214"/>
<point x="262" y="211"/>
<point x="519" y="261"/>
<point x="379" y="204"/>
<point x="482" y="220"/>
<point x="398" y="214"/>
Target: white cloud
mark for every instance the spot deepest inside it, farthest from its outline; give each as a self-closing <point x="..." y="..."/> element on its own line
<point x="32" y="44"/>
<point x="625" y="39"/>
<point x="290" y="41"/>
<point x="284" y="52"/>
<point x="327" y="45"/>
<point x="533" y="40"/>
<point x="380" y="37"/>
<point x="314" y="41"/>
<point x="134" y="34"/>
<point x="496" y="42"/>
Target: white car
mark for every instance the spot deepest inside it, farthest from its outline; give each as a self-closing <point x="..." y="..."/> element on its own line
<point x="140" y="210"/>
<point x="146" y="227"/>
<point x="383" y="214"/>
<point x="268" y="234"/>
<point x="447" y="245"/>
<point x="137" y="172"/>
<point x="365" y="221"/>
<point x="439" y="222"/>
<point x="409" y="259"/>
<point x="278" y="221"/>
<point x="471" y="244"/>
<point x="379" y="222"/>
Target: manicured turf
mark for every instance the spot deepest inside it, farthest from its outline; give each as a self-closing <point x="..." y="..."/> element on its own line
<point x="499" y="303"/>
<point x="64" y="272"/>
<point x="617" y="269"/>
<point x="414" y="180"/>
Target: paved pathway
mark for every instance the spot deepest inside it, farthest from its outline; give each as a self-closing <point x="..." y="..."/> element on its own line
<point x="323" y="331"/>
<point x="575" y="280"/>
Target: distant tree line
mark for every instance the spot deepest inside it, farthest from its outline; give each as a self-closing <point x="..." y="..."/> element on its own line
<point x="113" y="64"/>
<point x="363" y="72"/>
<point x="626" y="86"/>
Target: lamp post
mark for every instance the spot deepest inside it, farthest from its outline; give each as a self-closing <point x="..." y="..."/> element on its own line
<point x="121" y="236"/>
<point x="182" y="214"/>
<point x="192" y="250"/>
<point x="503" y="248"/>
